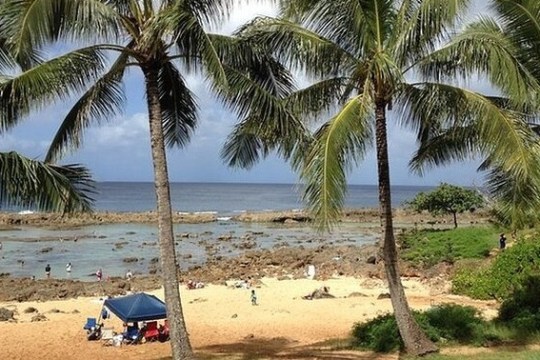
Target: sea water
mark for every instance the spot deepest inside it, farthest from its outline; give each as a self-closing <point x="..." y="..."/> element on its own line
<point x="116" y="248"/>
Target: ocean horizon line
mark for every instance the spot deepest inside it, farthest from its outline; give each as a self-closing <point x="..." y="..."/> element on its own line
<point x="248" y="183"/>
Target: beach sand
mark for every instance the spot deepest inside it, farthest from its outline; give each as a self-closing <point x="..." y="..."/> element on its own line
<point x="222" y="322"/>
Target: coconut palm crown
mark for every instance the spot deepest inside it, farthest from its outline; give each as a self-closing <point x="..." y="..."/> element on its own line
<point x="165" y="40"/>
<point x="503" y="49"/>
<point x="372" y="58"/>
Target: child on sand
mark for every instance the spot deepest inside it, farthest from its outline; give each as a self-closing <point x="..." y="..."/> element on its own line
<point x="253" y="298"/>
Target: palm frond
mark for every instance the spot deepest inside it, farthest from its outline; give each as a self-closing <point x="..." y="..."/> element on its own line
<point x="445" y="147"/>
<point x="101" y="102"/>
<point x="516" y="197"/>
<point x="258" y="85"/>
<point x="502" y="133"/>
<point x="318" y="98"/>
<point x="178" y="107"/>
<point x="7" y="62"/>
<point x="193" y="43"/>
<point x="355" y="25"/>
<point x="260" y="91"/>
<point x="483" y="48"/>
<point x="337" y="145"/>
<point x="244" y="146"/>
<point x="299" y="47"/>
<point x="30" y="24"/>
<point x="56" y="79"/>
<point x="422" y="26"/>
<point x="520" y="22"/>
<point x="46" y="187"/>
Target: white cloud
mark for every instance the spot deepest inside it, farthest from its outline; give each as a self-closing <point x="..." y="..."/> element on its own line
<point x="126" y="132"/>
<point x="245" y="11"/>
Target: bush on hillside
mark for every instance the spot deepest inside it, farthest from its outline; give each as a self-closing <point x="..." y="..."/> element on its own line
<point x="503" y="276"/>
<point x="522" y="308"/>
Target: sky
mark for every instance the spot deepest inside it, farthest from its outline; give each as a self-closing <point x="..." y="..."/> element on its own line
<point x="119" y="149"/>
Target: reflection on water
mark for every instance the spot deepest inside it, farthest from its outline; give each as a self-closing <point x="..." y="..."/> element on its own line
<point x="118" y="247"/>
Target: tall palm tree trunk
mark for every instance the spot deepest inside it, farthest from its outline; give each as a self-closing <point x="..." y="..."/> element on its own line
<point x="415" y="340"/>
<point x="181" y="347"/>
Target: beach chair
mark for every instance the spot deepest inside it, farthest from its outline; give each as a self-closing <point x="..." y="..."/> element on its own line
<point x="107" y="335"/>
<point x="91" y="323"/>
<point x="132" y="335"/>
<point x="151" y="332"/>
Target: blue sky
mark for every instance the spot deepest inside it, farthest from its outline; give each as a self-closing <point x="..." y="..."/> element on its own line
<point x="119" y="150"/>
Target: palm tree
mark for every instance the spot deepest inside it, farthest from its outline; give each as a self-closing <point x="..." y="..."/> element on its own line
<point x="46" y="187"/>
<point x="504" y="49"/>
<point x="155" y="37"/>
<point x="362" y="55"/>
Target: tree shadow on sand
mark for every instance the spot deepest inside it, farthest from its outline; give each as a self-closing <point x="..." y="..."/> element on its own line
<point x="282" y="348"/>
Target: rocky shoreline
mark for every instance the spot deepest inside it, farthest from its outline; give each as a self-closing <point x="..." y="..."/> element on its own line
<point x="402" y="217"/>
<point x="282" y="262"/>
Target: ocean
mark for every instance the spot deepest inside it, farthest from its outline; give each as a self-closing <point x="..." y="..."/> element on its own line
<point x="232" y="198"/>
<point x="117" y="248"/>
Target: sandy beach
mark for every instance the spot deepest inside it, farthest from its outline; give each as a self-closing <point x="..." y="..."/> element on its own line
<point x="222" y="322"/>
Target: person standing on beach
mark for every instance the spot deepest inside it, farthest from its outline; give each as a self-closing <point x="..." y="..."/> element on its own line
<point x="48" y="271"/>
<point x="253" y="297"/>
<point x="68" y="269"/>
<point x="99" y="274"/>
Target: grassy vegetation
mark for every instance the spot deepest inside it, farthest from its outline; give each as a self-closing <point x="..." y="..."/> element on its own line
<point x="509" y="354"/>
<point x="430" y="247"/>
<point x="507" y="273"/>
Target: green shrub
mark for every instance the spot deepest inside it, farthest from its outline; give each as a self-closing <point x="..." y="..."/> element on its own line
<point x="380" y="334"/>
<point x="449" y="322"/>
<point x="477" y="284"/>
<point x="521" y="310"/>
<point x="504" y="275"/>
<point x="455" y="322"/>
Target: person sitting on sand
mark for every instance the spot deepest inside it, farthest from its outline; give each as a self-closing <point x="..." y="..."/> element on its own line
<point x="191" y="285"/>
<point x="322" y="292"/>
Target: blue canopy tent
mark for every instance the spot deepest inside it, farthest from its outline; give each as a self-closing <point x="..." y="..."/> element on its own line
<point x="137" y="307"/>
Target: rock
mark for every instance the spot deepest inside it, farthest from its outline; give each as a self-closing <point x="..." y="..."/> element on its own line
<point x="372" y="259"/>
<point x="130" y="260"/>
<point x="30" y="310"/>
<point x="6" y="314"/>
<point x="356" y="294"/>
<point x="39" y="317"/>
<point x="383" y="296"/>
